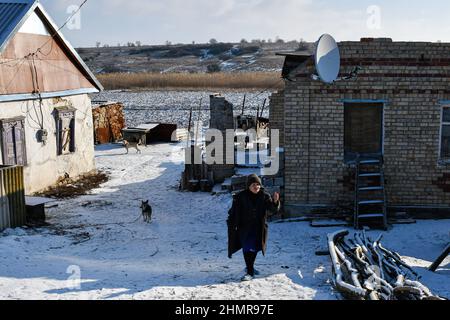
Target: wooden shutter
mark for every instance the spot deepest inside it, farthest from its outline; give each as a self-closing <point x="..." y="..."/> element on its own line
<point x="65" y="123"/>
<point x="58" y="136"/>
<point x="9" y="155"/>
<point x="363" y="128"/>
<point x="13" y="142"/>
<point x="19" y="139"/>
<point x="72" y="135"/>
<point x="66" y="135"/>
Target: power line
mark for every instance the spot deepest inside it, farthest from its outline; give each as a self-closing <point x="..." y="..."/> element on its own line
<point x="267" y="89"/>
<point x="33" y="55"/>
<point x="51" y="38"/>
<point x="60" y="28"/>
<point x="59" y="67"/>
<point x="13" y="60"/>
<point x="14" y="77"/>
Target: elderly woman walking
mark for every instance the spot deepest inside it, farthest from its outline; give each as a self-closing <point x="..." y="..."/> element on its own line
<point x="247" y="222"/>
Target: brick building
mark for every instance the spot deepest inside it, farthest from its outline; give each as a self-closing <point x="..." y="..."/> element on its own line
<point x="398" y="106"/>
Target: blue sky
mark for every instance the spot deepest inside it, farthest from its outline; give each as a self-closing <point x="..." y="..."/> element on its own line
<point x="184" y="21"/>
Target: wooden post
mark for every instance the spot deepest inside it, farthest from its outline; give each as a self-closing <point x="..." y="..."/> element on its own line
<point x="439" y="260"/>
<point x="257" y="123"/>
<point x="264" y="105"/>
<point x="243" y="104"/>
<point x="198" y="120"/>
<point x="190" y="119"/>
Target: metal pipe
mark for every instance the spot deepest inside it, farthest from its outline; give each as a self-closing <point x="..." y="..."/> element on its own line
<point x="340" y="283"/>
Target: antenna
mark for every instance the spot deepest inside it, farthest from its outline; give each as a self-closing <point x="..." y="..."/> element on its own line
<point x="327" y="58"/>
<point x="328" y="61"/>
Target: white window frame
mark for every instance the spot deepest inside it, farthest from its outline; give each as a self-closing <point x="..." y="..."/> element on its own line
<point x="443" y="160"/>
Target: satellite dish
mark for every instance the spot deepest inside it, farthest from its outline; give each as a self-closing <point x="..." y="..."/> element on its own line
<point x="327" y="58"/>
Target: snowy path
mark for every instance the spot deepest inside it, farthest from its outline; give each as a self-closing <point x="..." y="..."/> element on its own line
<point x="182" y="254"/>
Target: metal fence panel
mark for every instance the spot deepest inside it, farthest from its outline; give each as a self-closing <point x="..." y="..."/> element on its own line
<point x="12" y="197"/>
<point x="5" y="221"/>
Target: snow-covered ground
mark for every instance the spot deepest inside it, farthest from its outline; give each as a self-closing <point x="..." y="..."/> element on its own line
<point x="174" y="106"/>
<point x="182" y="254"/>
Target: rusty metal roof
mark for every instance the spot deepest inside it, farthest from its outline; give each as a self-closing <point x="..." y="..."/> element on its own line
<point x="12" y="14"/>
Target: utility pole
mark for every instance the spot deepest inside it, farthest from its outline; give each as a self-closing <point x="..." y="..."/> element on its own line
<point x="262" y="110"/>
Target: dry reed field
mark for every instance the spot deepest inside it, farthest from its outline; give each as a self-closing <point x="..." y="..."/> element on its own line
<point x="257" y="80"/>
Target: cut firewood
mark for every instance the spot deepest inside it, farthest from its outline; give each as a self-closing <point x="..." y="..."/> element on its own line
<point x="364" y="269"/>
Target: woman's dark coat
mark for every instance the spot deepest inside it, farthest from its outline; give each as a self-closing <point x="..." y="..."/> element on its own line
<point x="246" y="214"/>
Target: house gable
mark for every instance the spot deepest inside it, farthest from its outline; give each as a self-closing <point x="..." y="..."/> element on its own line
<point x="32" y="61"/>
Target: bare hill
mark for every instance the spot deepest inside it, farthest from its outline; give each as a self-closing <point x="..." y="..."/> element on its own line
<point x="193" y="58"/>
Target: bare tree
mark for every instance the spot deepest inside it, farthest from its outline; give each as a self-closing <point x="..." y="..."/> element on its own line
<point x="98" y="44"/>
<point x="213" y="41"/>
<point x="302" y="45"/>
<point x="279" y="40"/>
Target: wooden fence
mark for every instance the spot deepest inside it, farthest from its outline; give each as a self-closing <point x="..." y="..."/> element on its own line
<point x="12" y="197"/>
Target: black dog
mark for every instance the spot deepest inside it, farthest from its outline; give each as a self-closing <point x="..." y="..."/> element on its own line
<point x="146" y="211"/>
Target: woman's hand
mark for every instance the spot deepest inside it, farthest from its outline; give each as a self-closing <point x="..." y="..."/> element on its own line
<point x="276" y="197"/>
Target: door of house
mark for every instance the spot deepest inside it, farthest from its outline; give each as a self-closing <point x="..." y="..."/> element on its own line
<point x="363" y="130"/>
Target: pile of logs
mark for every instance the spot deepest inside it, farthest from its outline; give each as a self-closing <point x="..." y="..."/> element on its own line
<point x="364" y="270"/>
<point x="109" y="120"/>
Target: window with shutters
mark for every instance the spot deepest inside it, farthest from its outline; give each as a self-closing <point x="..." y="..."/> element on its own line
<point x="65" y="130"/>
<point x="363" y="132"/>
<point x="13" y="142"/>
<point x="445" y="134"/>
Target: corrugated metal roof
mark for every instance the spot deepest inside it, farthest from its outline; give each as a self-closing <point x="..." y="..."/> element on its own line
<point x="12" y="12"/>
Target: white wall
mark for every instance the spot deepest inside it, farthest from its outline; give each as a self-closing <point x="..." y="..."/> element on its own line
<point x="44" y="166"/>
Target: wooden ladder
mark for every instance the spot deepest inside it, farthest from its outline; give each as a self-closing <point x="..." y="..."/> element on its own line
<point x="370" y="194"/>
